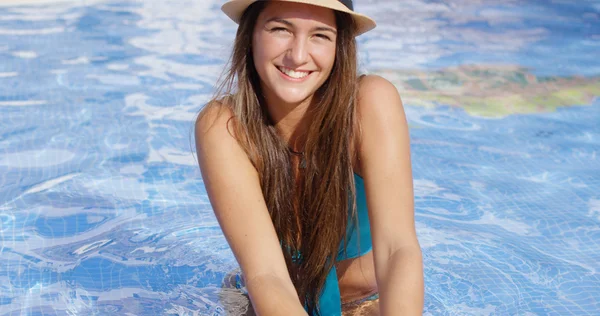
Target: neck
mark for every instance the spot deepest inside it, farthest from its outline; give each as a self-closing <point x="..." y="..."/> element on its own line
<point x="291" y="121"/>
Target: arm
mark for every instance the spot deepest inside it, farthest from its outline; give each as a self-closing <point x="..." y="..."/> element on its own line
<point x="385" y="162"/>
<point x="234" y="191"/>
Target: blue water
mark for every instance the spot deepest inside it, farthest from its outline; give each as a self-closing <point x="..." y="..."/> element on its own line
<point x="103" y="210"/>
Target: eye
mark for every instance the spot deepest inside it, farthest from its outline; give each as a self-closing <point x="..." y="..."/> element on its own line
<point x="323" y="36"/>
<point x="279" y="29"/>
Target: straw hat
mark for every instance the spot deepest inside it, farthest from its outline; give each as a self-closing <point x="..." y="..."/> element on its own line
<point x="235" y="8"/>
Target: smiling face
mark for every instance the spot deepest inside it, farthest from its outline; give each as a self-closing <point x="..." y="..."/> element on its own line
<point x="294" y="49"/>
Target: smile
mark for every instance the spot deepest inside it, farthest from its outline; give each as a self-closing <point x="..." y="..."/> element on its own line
<point x="294" y="74"/>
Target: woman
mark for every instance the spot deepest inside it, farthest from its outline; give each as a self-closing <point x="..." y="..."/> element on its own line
<point x="292" y="150"/>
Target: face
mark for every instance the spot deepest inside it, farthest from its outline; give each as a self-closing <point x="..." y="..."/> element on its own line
<point x="294" y="50"/>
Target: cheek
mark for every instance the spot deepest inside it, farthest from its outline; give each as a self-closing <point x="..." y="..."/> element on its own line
<point x="263" y="50"/>
<point x="256" y="50"/>
<point x="260" y="43"/>
<point x="327" y="57"/>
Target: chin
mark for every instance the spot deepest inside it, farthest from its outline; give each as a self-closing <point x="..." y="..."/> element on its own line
<point x="290" y="98"/>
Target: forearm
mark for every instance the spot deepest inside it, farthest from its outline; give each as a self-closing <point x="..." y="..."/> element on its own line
<point x="400" y="283"/>
<point x="271" y="296"/>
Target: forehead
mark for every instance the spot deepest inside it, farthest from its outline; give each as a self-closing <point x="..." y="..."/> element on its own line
<point x="298" y="11"/>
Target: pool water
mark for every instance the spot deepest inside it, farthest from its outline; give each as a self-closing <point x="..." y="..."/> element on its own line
<point x="102" y="206"/>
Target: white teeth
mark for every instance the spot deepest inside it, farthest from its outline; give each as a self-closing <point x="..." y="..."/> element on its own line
<point x="294" y="74"/>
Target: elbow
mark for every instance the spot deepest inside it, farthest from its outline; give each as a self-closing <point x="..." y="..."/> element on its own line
<point x="409" y="256"/>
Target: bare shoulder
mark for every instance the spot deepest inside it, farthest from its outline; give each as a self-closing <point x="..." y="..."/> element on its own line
<point x="375" y="81"/>
<point x="376" y="93"/>
<point x="379" y="108"/>
<point x="213" y="121"/>
<point x="217" y="147"/>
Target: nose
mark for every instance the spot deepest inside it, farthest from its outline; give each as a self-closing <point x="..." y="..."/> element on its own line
<point x="298" y="52"/>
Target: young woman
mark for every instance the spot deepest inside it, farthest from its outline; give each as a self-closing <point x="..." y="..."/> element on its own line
<point x="307" y="166"/>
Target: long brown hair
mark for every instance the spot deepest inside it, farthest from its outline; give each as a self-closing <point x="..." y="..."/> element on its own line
<point x="310" y="220"/>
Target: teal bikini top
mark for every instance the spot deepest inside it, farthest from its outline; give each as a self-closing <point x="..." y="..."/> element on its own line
<point x="358" y="242"/>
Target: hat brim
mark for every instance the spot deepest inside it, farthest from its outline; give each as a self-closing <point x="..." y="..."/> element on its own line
<point x="235" y="8"/>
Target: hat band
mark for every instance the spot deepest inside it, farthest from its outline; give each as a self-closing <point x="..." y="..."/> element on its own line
<point x="348" y="4"/>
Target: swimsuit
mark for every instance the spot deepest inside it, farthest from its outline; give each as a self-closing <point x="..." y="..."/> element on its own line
<point x="358" y="243"/>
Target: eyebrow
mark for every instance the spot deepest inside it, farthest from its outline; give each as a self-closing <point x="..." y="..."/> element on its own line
<point x="290" y="24"/>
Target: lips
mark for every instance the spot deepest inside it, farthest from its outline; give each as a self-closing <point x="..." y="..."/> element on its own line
<point x="294" y="74"/>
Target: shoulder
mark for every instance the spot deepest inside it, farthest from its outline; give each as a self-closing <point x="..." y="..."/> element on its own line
<point x="377" y="94"/>
<point x="382" y="124"/>
<point x="375" y="82"/>
<point x="213" y="119"/>
<point x="217" y="146"/>
<point x="215" y="127"/>
<point x="379" y="105"/>
<point x="215" y="133"/>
